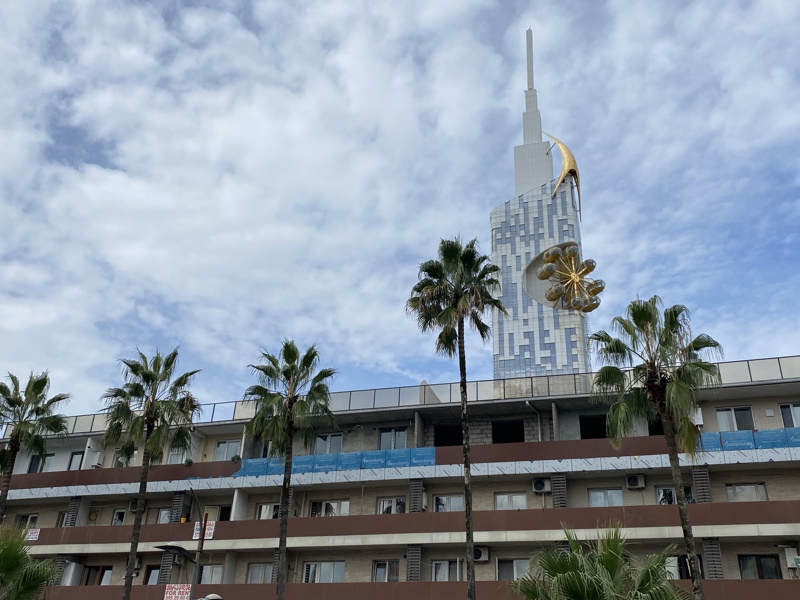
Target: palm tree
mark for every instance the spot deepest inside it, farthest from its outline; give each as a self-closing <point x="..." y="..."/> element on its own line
<point x="29" y="416"/>
<point x="150" y="411"/>
<point x="602" y="571"/>
<point x="290" y="396"/>
<point x="667" y="367"/>
<point x="21" y="577"/>
<point x="452" y="290"/>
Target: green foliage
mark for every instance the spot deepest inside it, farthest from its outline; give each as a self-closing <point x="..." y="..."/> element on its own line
<point x="457" y="286"/>
<point x="599" y="570"/>
<point x="150" y="401"/>
<point x="21" y="577"/>
<point x="666" y="368"/>
<point x="289" y="384"/>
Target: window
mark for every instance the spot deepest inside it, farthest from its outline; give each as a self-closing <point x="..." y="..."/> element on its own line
<point x="121" y="461"/>
<point x="330" y="508"/>
<point x="447" y="435"/>
<point x="118" y="517"/>
<point x="61" y="519"/>
<point x="105" y="576"/>
<point x="27" y="521"/>
<point x="151" y="574"/>
<point x="665" y="494"/>
<point x="735" y="419"/>
<point x="510" y="569"/>
<point x="226" y="450"/>
<point x="39" y="463"/>
<point x="210" y="574"/>
<point x="679" y="567"/>
<point x="176" y="456"/>
<point x="746" y="492"/>
<point x="388" y="506"/>
<point x="75" y="461"/>
<point x="453" y="503"/>
<point x="386" y="571"/>
<point x="515" y="501"/>
<point x="96" y="576"/>
<point x="392" y="439"/>
<point x="259" y="573"/>
<point x="791" y="415"/>
<point x="508" y="432"/>
<point x="267" y="511"/>
<point x="324" y="572"/>
<point x="593" y="427"/>
<point x="446" y="570"/>
<point x="328" y="443"/>
<point x="164" y="515"/>
<point x="606" y="497"/>
<point x="758" y="566"/>
<point x="218" y="513"/>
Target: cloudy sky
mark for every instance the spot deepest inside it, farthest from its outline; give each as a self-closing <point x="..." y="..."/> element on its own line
<point x="220" y="175"/>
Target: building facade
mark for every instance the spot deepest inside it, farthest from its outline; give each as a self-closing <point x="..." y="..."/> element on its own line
<point x="377" y="502"/>
<point x="535" y="338"/>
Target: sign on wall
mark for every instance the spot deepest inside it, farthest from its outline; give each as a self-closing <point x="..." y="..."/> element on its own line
<point x="209" y="530"/>
<point x="32" y="535"/>
<point x="178" y="591"/>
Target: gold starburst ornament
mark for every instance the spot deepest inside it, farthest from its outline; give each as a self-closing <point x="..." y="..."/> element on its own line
<point x="570" y="278"/>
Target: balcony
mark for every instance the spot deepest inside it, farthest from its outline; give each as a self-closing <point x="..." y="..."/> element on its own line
<point x="726" y="589"/>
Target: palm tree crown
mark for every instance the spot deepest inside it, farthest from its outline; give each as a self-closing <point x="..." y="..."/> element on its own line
<point x="600" y="571"/>
<point x="29" y="416"/>
<point x="667" y="367"/>
<point x="150" y="407"/>
<point x="456" y="287"/>
<point x="21" y="576"/>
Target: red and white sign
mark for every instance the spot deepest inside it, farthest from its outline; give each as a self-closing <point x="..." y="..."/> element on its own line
<point x="178" y="591"/>
<point x="32" y="535"/>
<point x="209" y="530"/>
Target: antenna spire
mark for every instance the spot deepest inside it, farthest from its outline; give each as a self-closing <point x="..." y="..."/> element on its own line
<point x="529" y="39"/>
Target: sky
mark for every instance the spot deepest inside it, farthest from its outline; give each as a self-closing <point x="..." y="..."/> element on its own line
<point x="220" y="175"/>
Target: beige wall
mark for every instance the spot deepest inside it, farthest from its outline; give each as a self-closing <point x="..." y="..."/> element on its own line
<point x="46" y="514"/>
<point x="358" y="563"/>
<point x="732" y="550"/>
<point x="781" y="484"/>
<point x="759" y="407"/>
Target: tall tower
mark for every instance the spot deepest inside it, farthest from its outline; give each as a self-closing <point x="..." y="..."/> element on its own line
<point x="536" y="338"/>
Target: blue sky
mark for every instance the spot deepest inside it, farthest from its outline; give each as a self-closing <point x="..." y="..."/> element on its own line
<point x="224" y="175"/>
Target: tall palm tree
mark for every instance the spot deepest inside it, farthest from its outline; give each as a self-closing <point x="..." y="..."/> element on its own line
<point x="290" y="396"/>
<point x="21" y="576"/>
<point x="29" y="416"/>
<point x="150" y="411"/>
<point x="667" y="367"/>
<point x="452" y="290"/>
<point x="600" y="571"/>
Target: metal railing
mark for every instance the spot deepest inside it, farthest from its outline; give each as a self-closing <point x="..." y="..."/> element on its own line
<point x="731" y="373"/>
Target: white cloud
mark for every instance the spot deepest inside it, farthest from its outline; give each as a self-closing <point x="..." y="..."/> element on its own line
<point x="222" y="180"/>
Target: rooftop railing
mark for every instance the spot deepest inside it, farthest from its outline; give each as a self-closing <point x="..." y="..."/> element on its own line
<point x="579" y="384"/>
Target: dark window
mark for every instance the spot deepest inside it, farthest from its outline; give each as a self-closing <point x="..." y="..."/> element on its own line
<point x="790" y="414"/>
<point x="593" y="427"/>
<point x="224" y="513"/>
<point x="684" y="572"/>
<point x="75" y="461"/>
<point x="756" y="566"/>
<point x="508" y="432"/>
<point x="447" y="435"/>
<point x="656" y="427"/>
<point x="392" y="439"/>
<point x="151" y="575"/>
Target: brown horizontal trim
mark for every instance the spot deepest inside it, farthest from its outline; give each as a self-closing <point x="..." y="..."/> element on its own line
<point x="123" y="475"/>
<point x="724" y="513"/>
<point x="726" y="589"/>
<point x="566" y="449"/>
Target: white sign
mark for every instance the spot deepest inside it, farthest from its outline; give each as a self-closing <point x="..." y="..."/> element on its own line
<point x="178" y="591"/>
<point x="209" y="530"/>
<point x="32" y="535"/>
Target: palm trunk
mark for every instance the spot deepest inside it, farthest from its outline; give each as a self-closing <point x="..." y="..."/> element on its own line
<point x="283" y="510"/>
<point x="13" y="450"/>
<point x="137" y="520"/>
<point x="462" y="367"/>
<point x="677" y="479"/>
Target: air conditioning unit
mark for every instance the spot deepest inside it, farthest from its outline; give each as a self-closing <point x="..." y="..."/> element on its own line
<point x="541" y="486"/>
<point x="97" y="460"/>
<point x="481" y="553"/>
<point x="635" y="482"/>
<point x="791" y="557"/>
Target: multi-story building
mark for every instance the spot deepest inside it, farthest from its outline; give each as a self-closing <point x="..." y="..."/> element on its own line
<point x="377" y="504"/>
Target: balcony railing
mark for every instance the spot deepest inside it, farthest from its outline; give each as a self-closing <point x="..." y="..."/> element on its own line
<point x="579" y="384"/>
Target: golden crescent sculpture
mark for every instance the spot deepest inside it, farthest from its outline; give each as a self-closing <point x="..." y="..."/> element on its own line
<point x="569" y="166"/>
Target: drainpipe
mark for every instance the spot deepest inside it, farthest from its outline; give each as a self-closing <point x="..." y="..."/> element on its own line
<point x="538" y="417"/>
<point x="554" y="411"/>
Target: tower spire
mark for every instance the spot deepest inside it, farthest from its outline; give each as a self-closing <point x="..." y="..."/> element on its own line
<point x="529" y="39"/>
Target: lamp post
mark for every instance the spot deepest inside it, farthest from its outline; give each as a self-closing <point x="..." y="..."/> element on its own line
<point x="184" y="554"/>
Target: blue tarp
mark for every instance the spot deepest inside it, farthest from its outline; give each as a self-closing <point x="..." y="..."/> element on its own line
<point x="303" y="464"/>
<point x="325" y="463"/>
<point x="255" y="467"/>
<point x="349" y="461"/>
<point x="373" y="459"/>
<point x="276" y="466"/>
<point x="737" y="440"/>
<point x="770" y="438"/>
<point x="709" y="442"/>
<point x="793" y="436"/>
<point x="423" y="457"/>
<point x="398" y="458"/>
